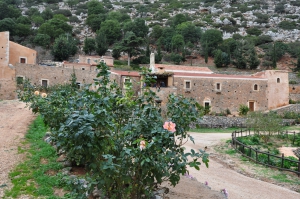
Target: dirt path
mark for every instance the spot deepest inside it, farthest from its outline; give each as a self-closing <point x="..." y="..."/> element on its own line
<point x="219" y="176"/>
<point x="14" y="121"/>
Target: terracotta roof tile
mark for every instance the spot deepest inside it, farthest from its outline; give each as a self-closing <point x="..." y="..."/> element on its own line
<point x="126" y="73"/>
<point x="191" y="69"/>
<point x="221" y="76"/>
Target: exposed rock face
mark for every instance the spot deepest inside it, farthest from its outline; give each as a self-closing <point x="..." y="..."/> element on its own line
<point x="297" y="152"/>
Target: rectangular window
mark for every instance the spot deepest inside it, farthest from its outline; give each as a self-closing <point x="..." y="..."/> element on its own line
<point x="45" y="83"/>
<point x="88" y="61"/>
<point x="187" y="84"/>
<point x="218" y="86"/>
<point x="23" y="60"/>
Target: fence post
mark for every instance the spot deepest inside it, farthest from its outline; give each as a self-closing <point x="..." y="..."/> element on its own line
<point x="256" y="157"/>
<point x="250" y="152"/>
<point x="243" y="148"/>
<point x="235" y="141"/>
<point x="299" y="167"/>
<point x="268" y="158"/>
<point x="282" y="160"/>
<point x="294" y="138"/>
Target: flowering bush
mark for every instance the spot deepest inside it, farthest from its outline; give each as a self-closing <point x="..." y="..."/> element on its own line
<point x="126" y="145"/>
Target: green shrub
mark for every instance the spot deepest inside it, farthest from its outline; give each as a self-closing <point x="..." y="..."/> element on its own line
<point x="122" y="138"/>
<point x="287" y="25"/>
<point x="66" y="13"/>
<point x="243" y="109"/>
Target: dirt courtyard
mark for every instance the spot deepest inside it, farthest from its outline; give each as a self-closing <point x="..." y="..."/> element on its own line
<point x="14" y="121"/>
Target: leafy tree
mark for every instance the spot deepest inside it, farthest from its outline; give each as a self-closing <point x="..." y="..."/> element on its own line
<point x="177" y="42"/>
<point x="72" y="3"/>
<point x="63" y="48"/>
<point x="178" y="19"/>
<point x="55" y="27"/>
<point x="189" y="32"/>
<point x="156" y="33"/>
<point x="158" y="56"/>
<point x="254" y="31"/>
<point x="112" y="30"/>
<point x="23" y="20"/>
<point x="253" y="60"/>
<point x="22" y="30"/>
<point x="138" y="27"/>
<point x="287" y="25"/>
<point x="221" y="59"/>
<point x="89" y="46"/>
<point x="101" y="43"/>
<point x="239" y="59"/>
<point x="47" y="14"/>
<point x="42" y="40"/>
<point x="166" y="38"/>
<point x="279" y="8"/>
<point x="265" y="123"/>
<point x="206" y="52"/>
<point x="8" y="24"/>
<point x="95" y="7"/>
<point x="94" y="21"/>
<point x="118" y="16"/>
<point x="8" y="11"/>
<point x="176" y="58"/>
<point x="130" y="44"/>
<point x="37" y="20"/>
<point x="213" y="38"/>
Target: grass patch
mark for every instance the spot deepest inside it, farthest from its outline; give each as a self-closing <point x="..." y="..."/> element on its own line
<point x="230" y="151"/>
<point x="30" y="177"/>
<point x="214" y="130"/>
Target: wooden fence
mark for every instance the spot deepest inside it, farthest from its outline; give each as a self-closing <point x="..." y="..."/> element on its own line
<point x="264" y="158"/>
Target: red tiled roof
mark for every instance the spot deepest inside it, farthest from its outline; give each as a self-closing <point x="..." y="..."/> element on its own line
<point x="191" y="69"/>
<point x="126" y="73"/>
<point x="221" y="76"/>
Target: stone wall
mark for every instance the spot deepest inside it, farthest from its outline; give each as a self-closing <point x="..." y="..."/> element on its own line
<point x="291" y="108"/>
<point x="232" y="92"/>
<point x="7" y="72"/>
<point x="226" y="122"/>
<point x="53" y="75"/>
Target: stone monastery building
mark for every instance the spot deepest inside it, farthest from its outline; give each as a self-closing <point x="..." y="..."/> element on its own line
<point x="261" y="91"/>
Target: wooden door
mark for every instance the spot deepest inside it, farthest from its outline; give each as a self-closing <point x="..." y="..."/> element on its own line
<point x="251" y="106"/>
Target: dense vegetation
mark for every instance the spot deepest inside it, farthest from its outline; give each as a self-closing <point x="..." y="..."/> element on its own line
<point x="151" y="25"/>
<point x="126" y="142"/>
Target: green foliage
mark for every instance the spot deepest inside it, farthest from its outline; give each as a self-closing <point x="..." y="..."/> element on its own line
<point x="243" y="109"/>
<point x="66" y="13"/>
<point x="89" y="46"/>
<point x="63" y="48"/>
<point x="177" y="42"/>
<point x="30" y="177"/>
<point x="287" y="25"/>
<point x="94" y="21"/>
<point x="265" y="124"/>
<point x="112" y="30"/>
<point x="213" y="38"/>
<point x="54" y="28"/>
<point x="120" y="136"/>
<point x="42" y="40"/>
<point x="221" y="59"/>
<point x="101" y="43"/>
<point x="130" y="44"/>
<point x="254" y="31"/>
<point x="138" y="27"/>
<point x="176" y="58"/>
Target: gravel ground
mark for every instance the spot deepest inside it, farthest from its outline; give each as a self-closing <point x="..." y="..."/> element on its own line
<point x="14" y="121"/>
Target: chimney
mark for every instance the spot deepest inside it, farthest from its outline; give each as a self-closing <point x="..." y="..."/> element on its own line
<point x="152" y="63"/>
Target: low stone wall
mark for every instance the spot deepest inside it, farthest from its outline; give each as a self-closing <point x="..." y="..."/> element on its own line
<point x="226" y="122"/>
<point x="290" y="108"/>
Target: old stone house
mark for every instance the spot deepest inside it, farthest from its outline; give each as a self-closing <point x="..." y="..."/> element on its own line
<point x="261" y="91"/>
<point x="11" y="54"/>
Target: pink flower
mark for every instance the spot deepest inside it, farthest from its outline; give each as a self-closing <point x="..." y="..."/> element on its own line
<point x="206" y="183"/>
<point x="170" y="126"/>
<point x="142" y="144"/>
